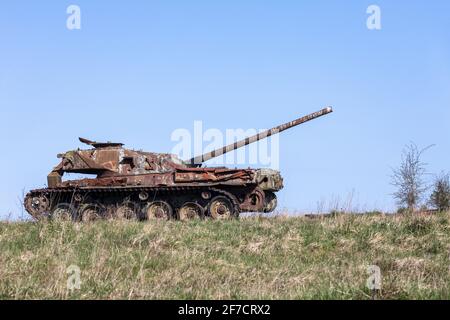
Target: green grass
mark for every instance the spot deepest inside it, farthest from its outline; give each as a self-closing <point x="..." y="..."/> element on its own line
<point x="255" y="258"/>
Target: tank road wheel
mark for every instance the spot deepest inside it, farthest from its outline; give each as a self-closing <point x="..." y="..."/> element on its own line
<point x="64" y="212"/>
<point x="91" y="212"/>
<point x="221" y="208"/>
<point x="127" y="210"/>
<point x="190" y="211"/>
<point x="37" y="206"/>
<point x="271" y="202"/>
<point x="160" y="210"/>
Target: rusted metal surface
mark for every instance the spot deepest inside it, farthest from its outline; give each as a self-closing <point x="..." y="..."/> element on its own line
<point x="260" y="136"/>
<point x="127" y="179"/>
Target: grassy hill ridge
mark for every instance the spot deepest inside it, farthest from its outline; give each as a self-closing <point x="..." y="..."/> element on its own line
<point x="254" y="258"/>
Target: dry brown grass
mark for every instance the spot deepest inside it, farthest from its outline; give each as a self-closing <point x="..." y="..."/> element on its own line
<point x="255" y="258"/>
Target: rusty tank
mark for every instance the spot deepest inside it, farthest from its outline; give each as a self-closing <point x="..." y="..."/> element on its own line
<point x="141" y="185"/>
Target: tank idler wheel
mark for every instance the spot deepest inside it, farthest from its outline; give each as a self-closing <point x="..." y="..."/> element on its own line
<point x="158" y="210"/>
<point x="270" y="203"/>
<point x="190" y="211"/>
<point x="38" y="206"/>
<point x="127" y="210"/>
<point x="64" y="212"/>
<point x="221" y="208"/>
<point x="91" y="212"/>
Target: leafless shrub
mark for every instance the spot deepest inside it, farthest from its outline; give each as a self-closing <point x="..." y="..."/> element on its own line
<point x="409" y="177"/>
<point x="440" y="197"/>
<point x="20" y="205"/>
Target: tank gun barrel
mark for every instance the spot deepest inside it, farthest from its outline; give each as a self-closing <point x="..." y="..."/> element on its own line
<point x="197" y="161"/>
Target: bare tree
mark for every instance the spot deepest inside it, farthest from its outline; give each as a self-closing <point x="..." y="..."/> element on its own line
<point x="409" y="177"/>
<point x="440" y="198"/>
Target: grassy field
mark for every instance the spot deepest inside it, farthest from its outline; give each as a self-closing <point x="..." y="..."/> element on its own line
<point x="254" y="258"/>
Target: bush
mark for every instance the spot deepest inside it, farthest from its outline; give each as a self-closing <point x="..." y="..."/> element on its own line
<point x="408" y="178"/>
<point x="440" y="198"/>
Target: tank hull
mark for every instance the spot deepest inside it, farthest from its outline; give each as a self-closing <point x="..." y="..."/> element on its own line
<point x="109" y="202"/>
<point x="196" y="189"/>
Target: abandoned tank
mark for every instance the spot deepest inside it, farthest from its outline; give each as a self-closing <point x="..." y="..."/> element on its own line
<point x="140" y="185"/>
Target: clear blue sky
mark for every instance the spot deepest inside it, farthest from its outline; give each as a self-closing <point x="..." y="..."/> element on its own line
<point x="137" y="70"/>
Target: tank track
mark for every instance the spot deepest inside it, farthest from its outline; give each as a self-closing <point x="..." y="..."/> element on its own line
<point x="74" y="199"/>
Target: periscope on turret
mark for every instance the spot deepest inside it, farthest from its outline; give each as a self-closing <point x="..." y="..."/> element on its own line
<point x="131" y="184"/>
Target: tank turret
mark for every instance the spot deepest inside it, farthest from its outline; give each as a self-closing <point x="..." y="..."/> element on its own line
<point x="132" y="184"/>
